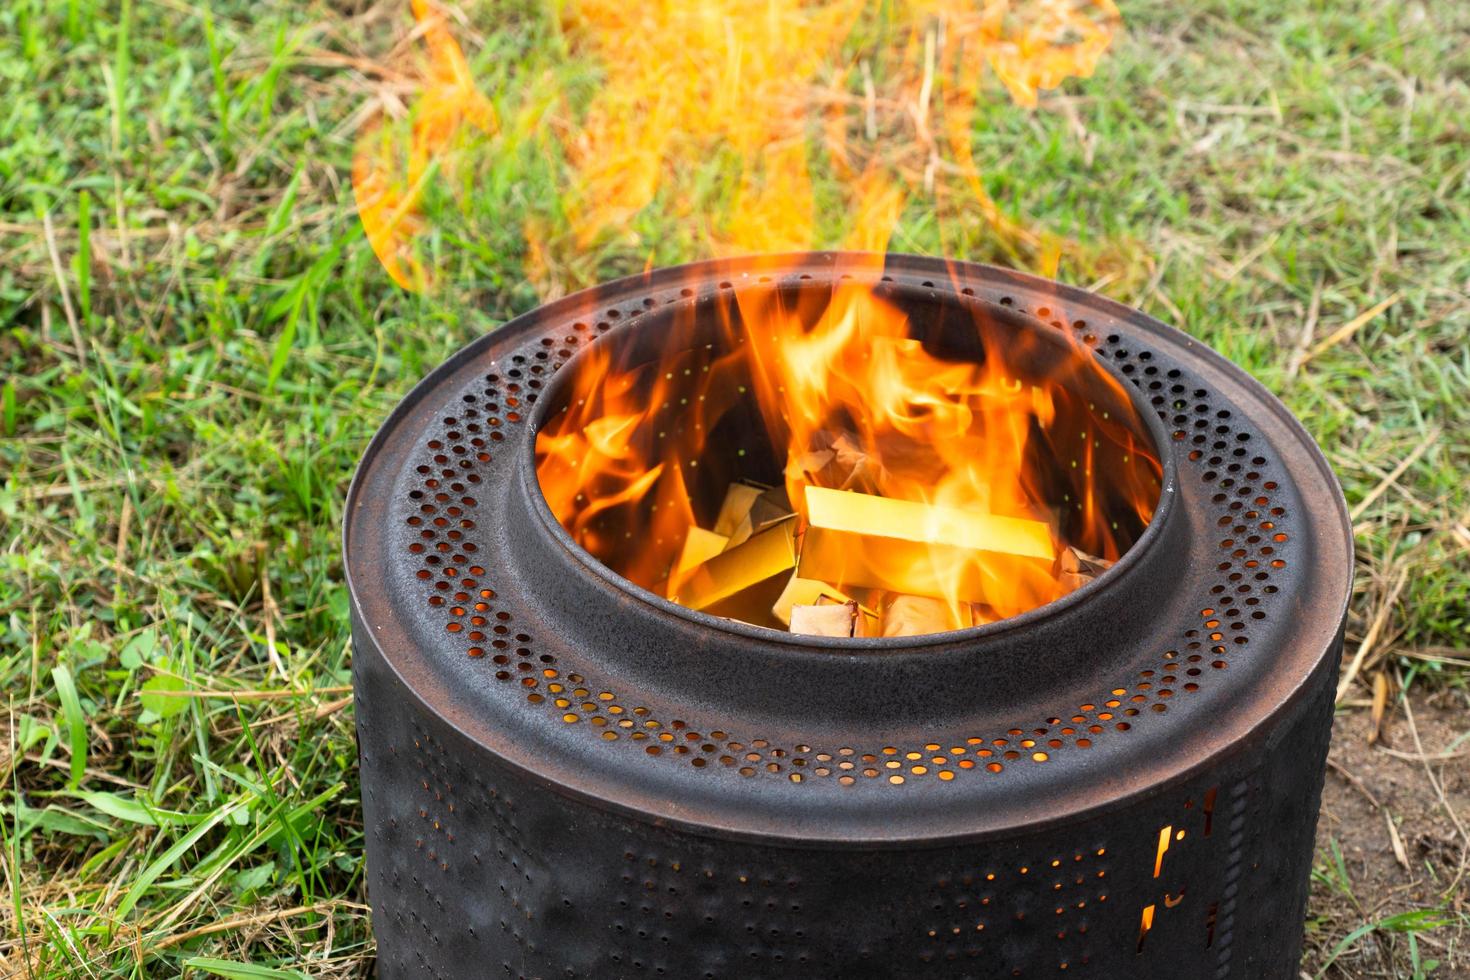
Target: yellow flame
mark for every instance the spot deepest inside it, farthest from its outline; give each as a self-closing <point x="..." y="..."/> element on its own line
<point x="388" y="178"/>
<point x="761" y="89"/>
<point x="688" y="81"/>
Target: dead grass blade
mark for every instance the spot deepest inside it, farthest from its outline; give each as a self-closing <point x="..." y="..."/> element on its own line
<point x="1371" y="637"/>
<point x="1346" y="331"/>
<point x="1393" y="476"/>
<point x="1309" y="329"/>
<point x="60" y="271"/>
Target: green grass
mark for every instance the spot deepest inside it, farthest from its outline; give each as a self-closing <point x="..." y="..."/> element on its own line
<point x="197" y="344"/>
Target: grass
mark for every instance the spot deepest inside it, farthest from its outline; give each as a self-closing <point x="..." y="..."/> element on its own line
<point x="197" y="344"/>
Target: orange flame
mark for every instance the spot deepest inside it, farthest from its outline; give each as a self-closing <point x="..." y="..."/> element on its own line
<point x="388" y="179"/>
<point x="687" y="82"/>
<point x="692" y="80"/>
<point x="802" y="109"/>
<point x="978" y="436"/>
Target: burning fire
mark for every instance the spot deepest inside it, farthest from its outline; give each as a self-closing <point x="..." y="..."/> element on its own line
<point x="922" y="490"/>
<point x="685" y="82"/>
<point x="387" y="183"/>
<point x="909" y="488"/>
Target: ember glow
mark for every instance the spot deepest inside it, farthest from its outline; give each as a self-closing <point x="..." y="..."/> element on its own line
<point x="781" y="451"/>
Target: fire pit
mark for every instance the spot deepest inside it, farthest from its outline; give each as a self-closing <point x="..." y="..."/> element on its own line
<point x="566" y="773"/>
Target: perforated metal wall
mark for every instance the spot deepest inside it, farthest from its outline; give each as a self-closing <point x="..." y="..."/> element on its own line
<point x="562" y="778"/>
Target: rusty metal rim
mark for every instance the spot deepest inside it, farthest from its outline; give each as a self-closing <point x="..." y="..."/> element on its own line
<point x="845" y="646"/>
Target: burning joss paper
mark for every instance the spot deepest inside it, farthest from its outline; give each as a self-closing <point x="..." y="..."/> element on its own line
<point x="935" y="562"/>
<point x="925" y="568"/>
<point x="915" y="615"/>
<point x="744" y="581"/>
<point x="809" y="592"/>
<point x="735" y="508"/>
<point x="749" y="508"/>
<point x="840" y="461"/>
<point x="833" y="619"/>
<point x="863" y="540"/>
<point x="1076" y="568"/>
<point x="699" y="547"/>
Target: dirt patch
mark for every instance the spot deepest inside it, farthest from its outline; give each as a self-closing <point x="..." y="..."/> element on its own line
<point x="1411" y="878"/>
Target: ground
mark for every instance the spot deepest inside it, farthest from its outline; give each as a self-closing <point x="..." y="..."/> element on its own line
<point x="1391" y="845"/>
<point x="198" y="343"/>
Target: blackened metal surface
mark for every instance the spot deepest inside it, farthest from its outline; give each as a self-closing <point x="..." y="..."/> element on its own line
<point x="567" y="777"/>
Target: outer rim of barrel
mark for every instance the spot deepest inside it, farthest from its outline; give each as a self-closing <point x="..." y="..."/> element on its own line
<point x="584" y="786"/>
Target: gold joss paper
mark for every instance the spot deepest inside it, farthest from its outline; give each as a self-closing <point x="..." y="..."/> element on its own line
<point x="749" y="508"/>
<point x="744" y="581"/>
<point x="810" y="592"/>
<point x="866" y="541"/>
<point x="739" y="498"/>
<point x="934" y="564"/>
<point x="913" y="615"/>
<point x="699" y="547"/>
